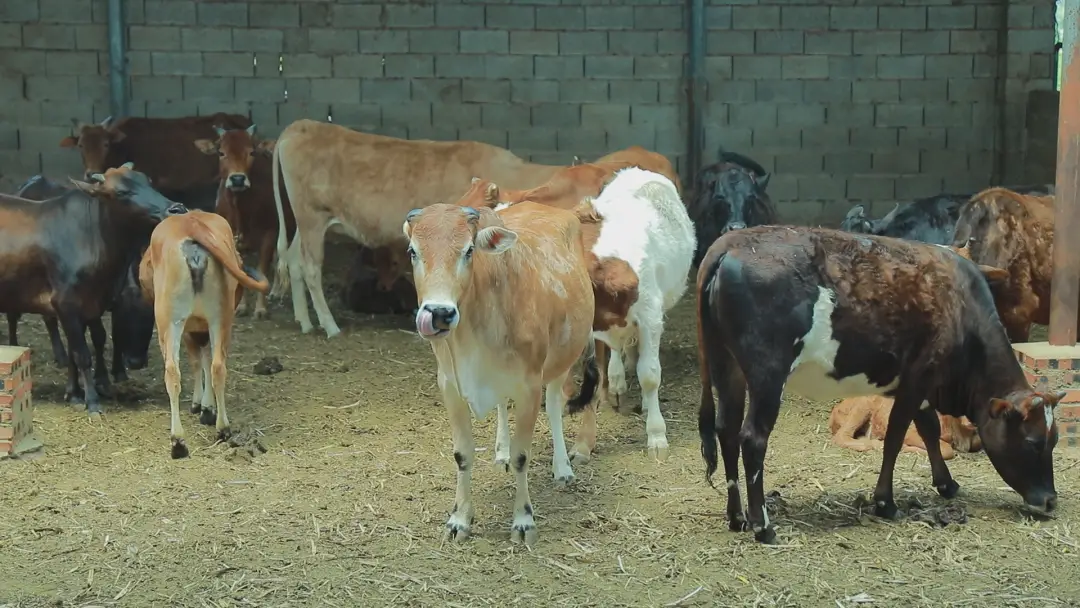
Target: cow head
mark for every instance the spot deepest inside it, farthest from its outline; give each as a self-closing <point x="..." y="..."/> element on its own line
<point x="446" y="243"/>
<point x="236" y="150"/>
<point x="133" y="321"/>
<point x="1019" y="434"/>
<point x="389" y="263"/>
<point x="856" y="221"/>
<point x="481" y="193"/>
<point x="95" y="144"/>
<point x="729" y="197"/>
<point x="132" y="191"/>
<point x="987" y="227"/>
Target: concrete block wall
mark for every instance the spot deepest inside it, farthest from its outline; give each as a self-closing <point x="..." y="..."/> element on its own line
<point x="868" y="100"/>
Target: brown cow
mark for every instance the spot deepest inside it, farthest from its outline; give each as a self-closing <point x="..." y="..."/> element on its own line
<point x="860" y="423"/>
<point x="246" y="197"/>
<point x="363" y="184"/>
<point x="195" y="278"/>
<point x="1014" y="232"/>
<point x="161" y="148"/>
<point x="646" y="159"/>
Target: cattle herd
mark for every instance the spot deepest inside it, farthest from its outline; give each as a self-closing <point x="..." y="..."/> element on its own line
<point x="518" y="272"/>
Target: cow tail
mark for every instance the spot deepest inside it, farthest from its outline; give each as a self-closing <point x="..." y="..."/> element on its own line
<point x="707" y="331"/>
<point x="281" y="272"/>
<point x="589" y="382"/>
<point x="226" y="255"/>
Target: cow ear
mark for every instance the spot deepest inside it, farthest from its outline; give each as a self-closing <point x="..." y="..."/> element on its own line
<point x="69" y="142"/>
<point x="116" y="136"/>
<point x="86" y="187"/>
<point x="1000" y="408"/>
<point x="491" y="194"/>
<point x="763" y="181"/>
<point x="495" y="239"/>
<point x="266" y="147"/>
<point x="994" y="276"/>
<point x="206" y="146"/>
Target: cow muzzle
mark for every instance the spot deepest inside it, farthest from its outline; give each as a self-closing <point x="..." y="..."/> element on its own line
<point x="1041" y="502"/>
<point x="238" y="182"/>
<point x="733" y="226"/>
<point x="436" y="319"/>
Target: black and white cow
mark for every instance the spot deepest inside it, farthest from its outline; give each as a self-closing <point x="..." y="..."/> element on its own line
<point x="930" y="220"/>
<point x="828" y="314"/>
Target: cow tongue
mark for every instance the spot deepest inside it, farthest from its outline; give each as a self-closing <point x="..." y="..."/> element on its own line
<point x="425" y="325"/>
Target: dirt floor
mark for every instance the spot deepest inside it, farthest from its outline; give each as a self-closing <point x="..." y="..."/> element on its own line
<point x="346" y="506"/>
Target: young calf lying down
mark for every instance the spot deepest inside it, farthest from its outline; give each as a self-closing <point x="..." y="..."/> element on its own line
<point x="194" y="276"/>
<point x="860" y="424"/>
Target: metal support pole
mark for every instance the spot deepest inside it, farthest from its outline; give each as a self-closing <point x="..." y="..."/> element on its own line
<point x="118" y="98"/>
<point x="695" y="137"/>
<point x="1065" y="288"/>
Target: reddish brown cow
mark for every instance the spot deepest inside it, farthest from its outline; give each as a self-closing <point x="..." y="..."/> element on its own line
<point x="246" y="197"/>
<point x="1015" y="232"/>
<point x="160" y="147"/>
<point x="637" y="156"/>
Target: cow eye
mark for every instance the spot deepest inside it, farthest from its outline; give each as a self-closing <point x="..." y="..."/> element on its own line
<point x="469" y="252"/>
<point x="221" y="154"/>
<point x="412" y="253"/>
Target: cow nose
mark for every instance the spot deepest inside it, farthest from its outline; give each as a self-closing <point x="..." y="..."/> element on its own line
<point x="237" y="180"/>
<point x="88" y="175"/>
<point x="734" y="226"/>
<point x="442" y="317"/>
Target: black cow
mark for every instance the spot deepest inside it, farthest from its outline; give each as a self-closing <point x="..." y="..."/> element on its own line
<point x="829" y="314"/>
<point x="132" y="318"/>
<point x="64" y="257"/>
<point x="930" y="220"/>
<point x="729" y="195"/>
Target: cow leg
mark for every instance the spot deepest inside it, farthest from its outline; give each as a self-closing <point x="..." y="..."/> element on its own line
<point x="648" y="374"/>
<point x="616" y="380"/>
<point x="729" y="421"/>
<point x="242" y="306"/>
<point x="297" y="285"/>
<point x="53" y="327"/>
<point x="899" y="421"/>
<point x="219" y="347"/>
<point x="554" y="402"/>
<point x="311" y="255"/>
<point x="602" y="355"/>
<point x="586" y="439"/>
<point x="526" y="410"/>
<point x="502" y="438"/>
<point x="101" y="370"/>
<point x="459" y="524"/>
<point x="928" y="425"/>
<point x="266" y="255"/>
<point x="195" y="364"/>
<point x="764" y="408"/>
<point x="119" y="370"/>
<point x="169" y="338"/>
<point x="71" y="320"/>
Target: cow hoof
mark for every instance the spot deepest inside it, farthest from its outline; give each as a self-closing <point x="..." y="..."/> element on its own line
<point x="223" y="434"/>
<point x="580" y="454"/>
<point x="737" y="522"/>
<point x="306" y="329"/>
<point x="120" y="377"/>
<point x="207" y="417"/>
<point x="948" y="489"/>
<point x="563" y="481"/>
<point x="658" y="449"/>
<point x="260" y="314"/>
<point x="523" y="530"/>
<point x="179" y="449"/>
<point x="195" y="408"/>
<point x="333" y="333"/>
<point x="886" y="510"/>
<point x="457" y="528"/>
<point x="765" y="536"/>
<point x="104" y="388"/>
<point x="75" y="399"/>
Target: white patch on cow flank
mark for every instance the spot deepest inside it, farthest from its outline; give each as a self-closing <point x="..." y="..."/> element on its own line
<point x="809" y="375"/>
<point x="1048" y="412"/>
<point x="925" y="405"/>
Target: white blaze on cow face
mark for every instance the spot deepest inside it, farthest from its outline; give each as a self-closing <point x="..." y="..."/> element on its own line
<point x="442" y="249"/>
<point x="809" y="375"/>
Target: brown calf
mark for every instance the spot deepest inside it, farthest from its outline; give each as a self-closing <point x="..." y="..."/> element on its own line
<point x="194" y="276"/>
<point x="1002" y="229"/>
<point x="860" y="423"/>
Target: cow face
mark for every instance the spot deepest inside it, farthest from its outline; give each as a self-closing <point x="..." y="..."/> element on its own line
<point x="857" y="222"/>
<point x="446" y="242"/>
<point x="95" y="143"/>
<point x="729" y="197"/>
<point x="986" y="225"/>
<point x="133" y="322"/>
<point x="236" y="150"/>
<point x="1019" y="434"/>
<point x="131" y="189"/>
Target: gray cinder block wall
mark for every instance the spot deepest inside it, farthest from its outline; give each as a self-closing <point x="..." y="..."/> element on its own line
<point x="845" y="100"/>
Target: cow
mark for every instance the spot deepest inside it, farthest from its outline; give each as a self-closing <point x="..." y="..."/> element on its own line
<point x="636" y="156"/>
<point x="507" y="307"/>
<point x="363" y="184"/>
<point x="1014" y="232"/>
<point x="161" y="148"/>
<point x="245" y="197"/>
<point x="859" y="423"/>
<point x="729" y="195"/>
<point x="195" y="278"/>
<point x="930" y="220"/>
<point x="132" y="323"/>
<point x="64" y="256"/>
<point x="829" y="314"/>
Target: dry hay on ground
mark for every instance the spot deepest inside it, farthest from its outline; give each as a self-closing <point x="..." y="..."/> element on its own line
<point x="347" y="504"/>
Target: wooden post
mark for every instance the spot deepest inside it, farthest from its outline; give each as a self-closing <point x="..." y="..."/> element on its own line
<point x="1065" y="289"/>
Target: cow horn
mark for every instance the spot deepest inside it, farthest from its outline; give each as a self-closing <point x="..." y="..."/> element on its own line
<point x="219" y="131"/>
<point x="890" y="216"/>
<point x="108" y="119"/>
<point x="472" y="215"/>
<point x="412" y="214"/>
<point x="1036" y="401"/>
<point x="251" y="129"/>
<point x="130" y="166"/>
